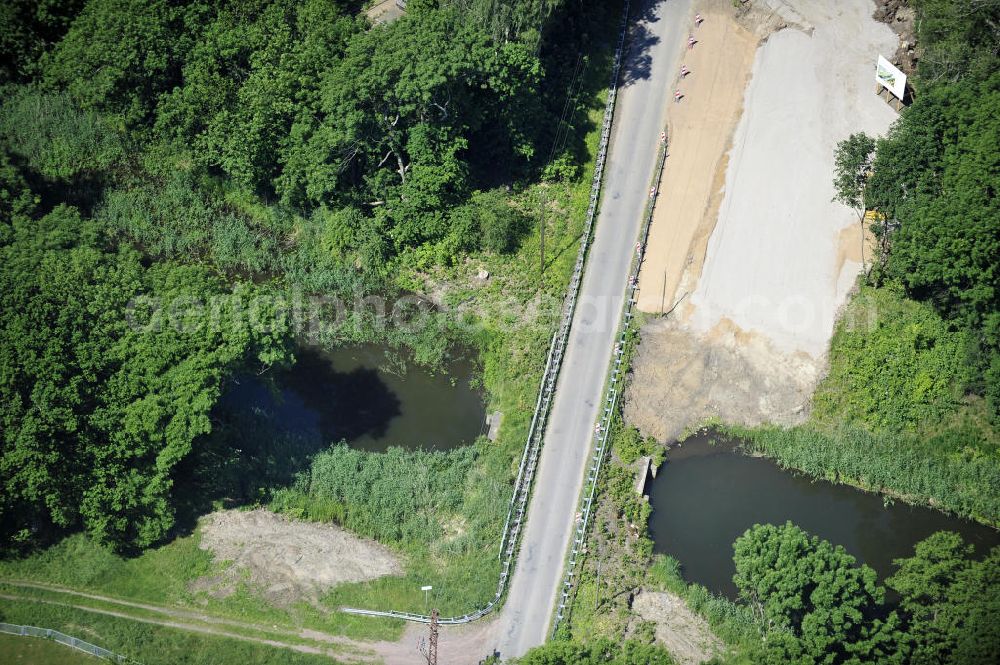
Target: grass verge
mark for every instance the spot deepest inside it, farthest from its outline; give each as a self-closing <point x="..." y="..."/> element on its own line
<point x="19" y="650"/>
<point x="149" y="644"/>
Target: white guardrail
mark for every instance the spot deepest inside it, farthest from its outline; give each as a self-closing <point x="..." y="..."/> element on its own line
<point x="529" y="459"/>
<point x="63" y="638"/>
<point x="615" y="378"/>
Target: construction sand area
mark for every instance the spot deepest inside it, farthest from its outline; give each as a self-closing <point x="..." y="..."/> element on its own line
<point x="772" y="264"/>
<point x="288" y="561"/>
<point x="699" y="127"/>
<point x="758" y="300"/>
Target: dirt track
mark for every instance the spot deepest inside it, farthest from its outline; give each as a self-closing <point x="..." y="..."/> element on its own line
<point x="458" y="643"/>
<point x="342" y="648"/>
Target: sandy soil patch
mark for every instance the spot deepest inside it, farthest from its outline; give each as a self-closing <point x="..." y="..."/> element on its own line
<point x="686" y="635"/>
<point x="700" y="128"/>
<point x="748" y="339"/>
<point x="773" y="263"/>
<point x="682" y="378"/>
<point x="287" y="560"/>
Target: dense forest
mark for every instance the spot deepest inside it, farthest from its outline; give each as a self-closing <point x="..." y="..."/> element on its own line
<point x="165" y="163"/>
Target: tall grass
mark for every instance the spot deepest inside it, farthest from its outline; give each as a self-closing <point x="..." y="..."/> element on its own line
<point x="398" y="497"/>
<point x="54" y="136"/>
<point x="904" y="466"/>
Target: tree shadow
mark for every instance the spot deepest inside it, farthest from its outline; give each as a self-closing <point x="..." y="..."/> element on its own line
<point x="266" y="431"/>
<point x="637" y="61"/>
<point x="348" y="405"/>
<point x="83" y="191"/>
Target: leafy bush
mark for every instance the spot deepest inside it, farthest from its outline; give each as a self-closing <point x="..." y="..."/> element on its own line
<point x="894" y="364"/>
<point x="630" y="445"/>
<point x="55" y="137"/>
<point x="499" y="223"/>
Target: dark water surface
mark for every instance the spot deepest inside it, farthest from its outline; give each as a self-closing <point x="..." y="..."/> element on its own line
<point x="368" y="395"/>
<point x="706" y="496"/>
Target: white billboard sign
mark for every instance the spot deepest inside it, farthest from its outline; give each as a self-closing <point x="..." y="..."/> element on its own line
<point x="890" y="77"/>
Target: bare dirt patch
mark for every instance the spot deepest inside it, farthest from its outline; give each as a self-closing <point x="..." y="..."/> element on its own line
<point x="687" y="636"/>
<point x="287" y="560"/>
<point x="902" y="19"/>
<point x="682" y="378"/>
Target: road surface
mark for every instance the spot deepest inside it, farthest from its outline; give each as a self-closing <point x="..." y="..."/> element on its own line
<point x="648" y="72"/>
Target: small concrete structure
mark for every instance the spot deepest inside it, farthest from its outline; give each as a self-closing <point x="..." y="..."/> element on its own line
<point x="494" y="420"/>
<point x="644" y="472"/>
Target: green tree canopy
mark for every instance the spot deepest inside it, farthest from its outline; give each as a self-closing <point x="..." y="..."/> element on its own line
<point x="29" y="27"/>
<point x="935" y="179"/>
<point x="102" y="390"/>
<point x="398" y="117"/>
<point x="951" y="601"/>
<point x="832" y="606"/>
<point x="957" y="39"/>
<point x="119" y="56"/>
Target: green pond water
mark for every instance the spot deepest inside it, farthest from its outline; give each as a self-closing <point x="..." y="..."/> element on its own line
<point x="705" y="496"/>
<point x="371" y="396"/>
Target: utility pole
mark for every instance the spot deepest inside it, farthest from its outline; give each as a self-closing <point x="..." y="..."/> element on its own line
<point x="541" y="235"/>
<point x="432" y="646"/>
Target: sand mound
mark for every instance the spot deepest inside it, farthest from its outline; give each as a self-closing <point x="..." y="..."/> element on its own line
<point x="287" y="560"/>
<point x="700" y="128"/>
<point x="682" y="378"/>
<point x="686" y="635"/>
